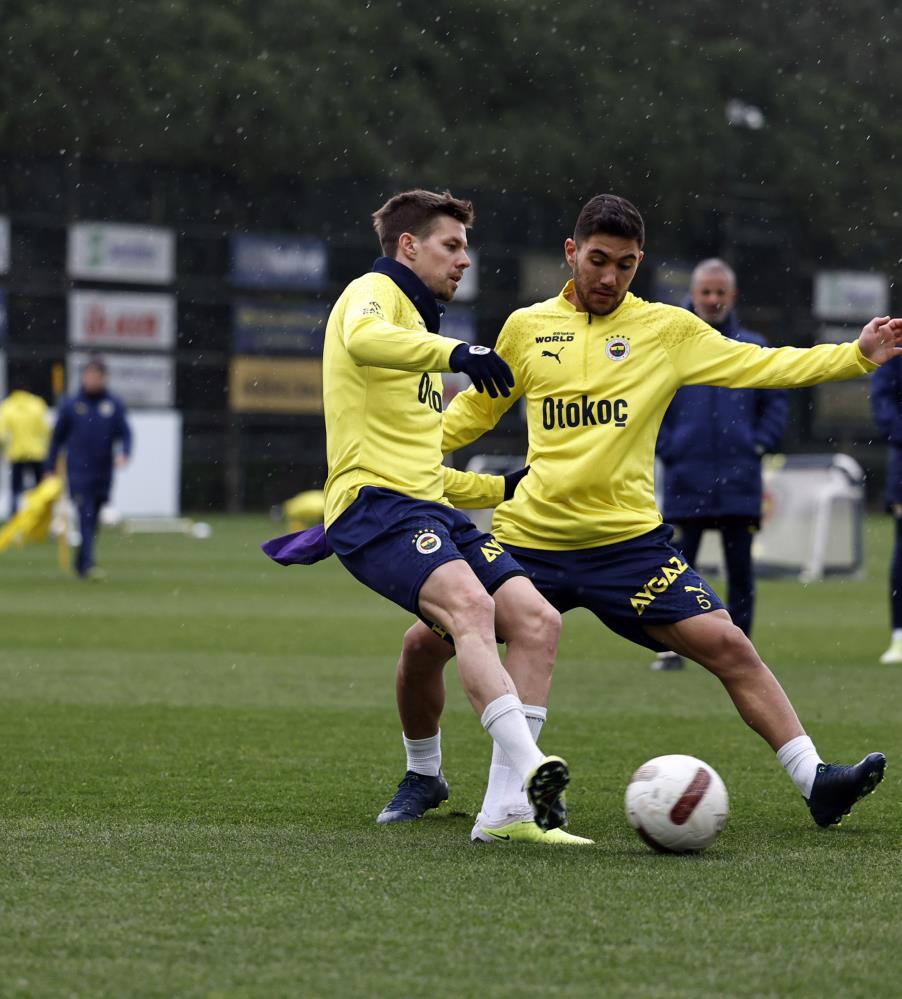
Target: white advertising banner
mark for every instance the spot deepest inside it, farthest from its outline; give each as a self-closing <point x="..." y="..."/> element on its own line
<point x="116" y="319"/>
<point x="468" y="289"/>
<point x="854" y="296"/>
<point x="109" y="251"/>
<point x="149" y="485"/>
<point x="140" y="380"/>
<point x="542" y="275"/>
<point x="4" y="244"/>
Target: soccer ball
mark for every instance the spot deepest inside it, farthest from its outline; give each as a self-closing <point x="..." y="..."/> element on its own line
<point x="677" y="804"/>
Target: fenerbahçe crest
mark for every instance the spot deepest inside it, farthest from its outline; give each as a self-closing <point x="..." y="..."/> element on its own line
<point x="427" y="542"/>
<point x="617" y="348"/>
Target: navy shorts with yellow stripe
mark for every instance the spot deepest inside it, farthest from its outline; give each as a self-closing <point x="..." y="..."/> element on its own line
<point x="393" y="543"/>
<point x="626" y="585"/>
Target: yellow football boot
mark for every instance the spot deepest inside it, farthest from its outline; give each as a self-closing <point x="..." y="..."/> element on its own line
<point x="525" y="831"/>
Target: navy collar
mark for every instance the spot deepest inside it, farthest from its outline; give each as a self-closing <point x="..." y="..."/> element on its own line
<point x="414" y="289"/>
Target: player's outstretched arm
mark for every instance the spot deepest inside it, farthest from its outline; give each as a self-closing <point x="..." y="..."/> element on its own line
<point x="881" y="340"/>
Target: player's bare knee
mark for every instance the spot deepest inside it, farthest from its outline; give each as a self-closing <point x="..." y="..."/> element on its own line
<point x="732" y="654"/>
<point x="545" y="624"/>
<point x="534" y="623"/>
<point x="422" y="650"/>
<point x="471" y="609"/>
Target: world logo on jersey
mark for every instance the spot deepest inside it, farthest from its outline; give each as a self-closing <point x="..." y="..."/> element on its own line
<point x="617" y="349"/>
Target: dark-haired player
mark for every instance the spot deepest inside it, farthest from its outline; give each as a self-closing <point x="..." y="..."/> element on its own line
<point x="584" y="524"/>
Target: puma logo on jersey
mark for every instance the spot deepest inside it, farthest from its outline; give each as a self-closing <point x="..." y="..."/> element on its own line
<point x="551" y="353"/>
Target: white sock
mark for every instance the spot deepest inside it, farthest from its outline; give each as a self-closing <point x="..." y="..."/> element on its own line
<point x="505" y="721"/>
<point x="799" y="758"/>
<point x="897" y="634"/>
<point x="536" y="716"/>
<point x="424" y="756"/>
<point x="505" y="799"/>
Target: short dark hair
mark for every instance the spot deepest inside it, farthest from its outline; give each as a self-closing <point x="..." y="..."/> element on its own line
<point x="97" y="363"/>
<point x="610" y="214"/>
<point x="415" y="212"/>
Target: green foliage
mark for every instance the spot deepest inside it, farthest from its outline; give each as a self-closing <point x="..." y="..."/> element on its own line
<point x="545" y="98"/>
<point x="193" y="752"/>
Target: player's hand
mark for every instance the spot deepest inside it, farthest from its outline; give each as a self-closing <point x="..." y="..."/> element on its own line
<point x="486" y="370"/>
<point x="881" y="340"/>
<point x="121" y="460"/>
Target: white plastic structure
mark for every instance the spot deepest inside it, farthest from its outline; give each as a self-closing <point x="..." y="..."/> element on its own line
<point x="813" y="516"/>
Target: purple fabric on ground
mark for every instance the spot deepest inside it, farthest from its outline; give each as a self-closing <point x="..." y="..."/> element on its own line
<point x="300" y="548"/>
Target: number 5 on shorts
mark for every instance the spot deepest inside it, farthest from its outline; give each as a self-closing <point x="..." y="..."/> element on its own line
<point x="701" y="596"/>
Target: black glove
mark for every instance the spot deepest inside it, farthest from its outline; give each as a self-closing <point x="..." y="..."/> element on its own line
<point x="486" y="370"/>
<point x="512" y="480"/>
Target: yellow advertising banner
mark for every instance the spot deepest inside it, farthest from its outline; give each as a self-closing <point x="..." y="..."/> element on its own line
<point x="276" y="385"/>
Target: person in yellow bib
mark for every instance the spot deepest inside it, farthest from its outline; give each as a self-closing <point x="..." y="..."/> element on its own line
<point x="598" y="367"/>
<point x="303" y="510"/>
<point x="24" y="438"/>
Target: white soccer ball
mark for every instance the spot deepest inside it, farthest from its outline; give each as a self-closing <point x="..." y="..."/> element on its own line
<point x="677" y="804"/>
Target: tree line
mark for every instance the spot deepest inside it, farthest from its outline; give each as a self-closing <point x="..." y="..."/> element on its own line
<point x="548" y="99"/>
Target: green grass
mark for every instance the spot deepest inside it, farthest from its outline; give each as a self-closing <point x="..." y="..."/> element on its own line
<point x="192" y="755"/>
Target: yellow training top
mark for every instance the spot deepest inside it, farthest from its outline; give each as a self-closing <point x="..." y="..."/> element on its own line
<point x="24" y="431"/>
<point x="382" y="395"/>
<point x="596" y="389"/>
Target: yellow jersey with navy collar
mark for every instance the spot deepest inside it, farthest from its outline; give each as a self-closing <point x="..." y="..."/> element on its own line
<point x="382" y="397"/>
<point x="596" y="390"/>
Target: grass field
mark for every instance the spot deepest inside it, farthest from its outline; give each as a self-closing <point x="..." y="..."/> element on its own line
<point x="192" y="755"/>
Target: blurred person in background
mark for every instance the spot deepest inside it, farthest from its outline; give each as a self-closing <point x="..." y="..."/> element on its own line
<point x="92" y="428"/>
<point x="886" y="402"/>
<point x="710" y="445"/>
<point x="24" y="437"/>
<point x="306" y="509"/>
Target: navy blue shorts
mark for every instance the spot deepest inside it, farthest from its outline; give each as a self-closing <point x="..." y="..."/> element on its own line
<point x="392" y="543"/>
<point x="626" y="585"/>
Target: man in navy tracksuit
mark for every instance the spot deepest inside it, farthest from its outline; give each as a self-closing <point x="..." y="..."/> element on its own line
<point x="710" y="444"/>
<point x="93" y="430"/>
<point x="886" y="402"/>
